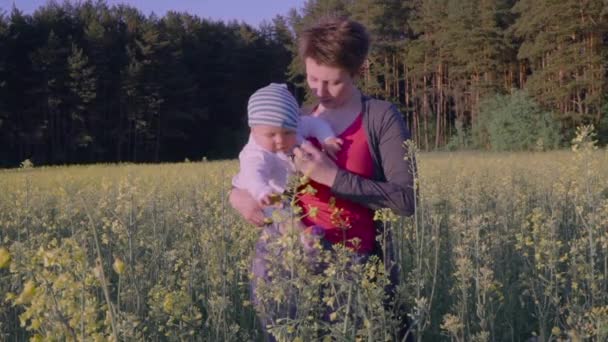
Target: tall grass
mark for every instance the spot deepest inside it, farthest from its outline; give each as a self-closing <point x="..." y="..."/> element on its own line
<point x="504" y="246"/>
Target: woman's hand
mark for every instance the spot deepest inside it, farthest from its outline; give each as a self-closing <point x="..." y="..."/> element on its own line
<point x="247" y="206"/>
<point x="315" y="164"/>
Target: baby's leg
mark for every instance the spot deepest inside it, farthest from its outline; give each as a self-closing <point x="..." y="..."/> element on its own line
<point x="311" y="237"/>
<point x="283" y="219"/>
<point x="290" y="225"/>
<point x="315" y="248"/>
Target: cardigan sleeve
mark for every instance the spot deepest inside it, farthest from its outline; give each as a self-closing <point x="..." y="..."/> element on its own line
<point x="396" y="188"/>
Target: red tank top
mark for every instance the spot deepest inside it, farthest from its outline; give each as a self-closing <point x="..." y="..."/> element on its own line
<point x="341" y="219"/>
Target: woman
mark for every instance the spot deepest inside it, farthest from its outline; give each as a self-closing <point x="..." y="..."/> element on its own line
<point x="370" y="171"/>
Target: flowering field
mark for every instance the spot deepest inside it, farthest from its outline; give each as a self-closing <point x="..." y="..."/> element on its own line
<point x="503" y="247"/>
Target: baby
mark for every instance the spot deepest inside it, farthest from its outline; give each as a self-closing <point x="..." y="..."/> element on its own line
<point x="276" y="128"/>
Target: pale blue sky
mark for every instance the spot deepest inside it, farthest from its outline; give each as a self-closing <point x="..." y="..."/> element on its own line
<point x="249" y="11"/>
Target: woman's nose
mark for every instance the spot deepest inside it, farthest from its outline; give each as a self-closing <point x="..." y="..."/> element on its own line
<point x="322" y="90"/>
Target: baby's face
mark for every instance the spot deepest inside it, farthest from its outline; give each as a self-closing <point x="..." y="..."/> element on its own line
<point x="274" y="139"/>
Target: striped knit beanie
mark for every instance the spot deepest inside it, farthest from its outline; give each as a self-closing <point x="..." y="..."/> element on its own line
<point x="274" y="106"/>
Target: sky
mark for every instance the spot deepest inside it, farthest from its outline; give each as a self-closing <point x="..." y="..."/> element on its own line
<point x="252" y="12"/>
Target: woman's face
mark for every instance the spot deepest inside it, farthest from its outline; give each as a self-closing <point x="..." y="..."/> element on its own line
<point x="332" y="86"/>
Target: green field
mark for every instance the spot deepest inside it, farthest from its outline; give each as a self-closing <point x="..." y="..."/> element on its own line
<point x="503" y="247"/>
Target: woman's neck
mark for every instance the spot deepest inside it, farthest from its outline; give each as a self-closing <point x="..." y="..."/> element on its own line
<point x="342" y="117"/>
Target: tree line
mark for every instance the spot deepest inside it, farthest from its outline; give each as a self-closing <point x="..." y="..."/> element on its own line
<point x="89" y="82"/>
<point x="448" y="62"/>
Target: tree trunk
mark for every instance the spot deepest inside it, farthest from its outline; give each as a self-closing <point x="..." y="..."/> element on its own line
<point x="425" y="111"/>
<point x="522" y="74"/>
<point x="406" y="99"/>
<point x="387" y="84"/>
<point x="439" y="129"/>
<point x="395" y="77"/>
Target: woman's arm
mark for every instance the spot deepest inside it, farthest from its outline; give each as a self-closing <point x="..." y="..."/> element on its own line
<point x="395" y="192"/>
<point x="246" y="206"/>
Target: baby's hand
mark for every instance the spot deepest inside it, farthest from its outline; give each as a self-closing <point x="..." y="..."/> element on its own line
<point x="332" y="145"/>
<point x="270" y="199"/>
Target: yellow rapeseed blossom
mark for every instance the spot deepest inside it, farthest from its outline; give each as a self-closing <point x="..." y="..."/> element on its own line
<point x="313" y="211"/>
<point x="555" y="331"/>
<point x="119" y="266"/>
<point x="5" y="257"/>
<point x="168" y="303"/>
<point x="275" y="198"/>
<point x="29" y="290"/>
<point x="36" y="338"/>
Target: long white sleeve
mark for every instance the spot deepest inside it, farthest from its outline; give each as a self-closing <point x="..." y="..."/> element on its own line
<point x="261" y="172"/>
<point x="253" y="175"/>
<point x="312" y="126"/>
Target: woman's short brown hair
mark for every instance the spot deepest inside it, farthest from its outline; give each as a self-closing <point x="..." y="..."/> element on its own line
<point x="336" y="42"/>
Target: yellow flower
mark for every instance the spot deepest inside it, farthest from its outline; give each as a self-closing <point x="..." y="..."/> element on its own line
<point x="29" y="290"/>
<point x="275" y="198"/>
<point x="5" y="257"/>
<point x="98" y="272"/>
<point x="313" y="211"/>
<point x="35" y="324"/>
<point x="36" y="338"/>
<point x="119" y="266"/>
<point x="168" y="303"/>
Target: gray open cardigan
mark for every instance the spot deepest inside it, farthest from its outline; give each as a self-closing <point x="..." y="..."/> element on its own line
<point x="391" y="187"/>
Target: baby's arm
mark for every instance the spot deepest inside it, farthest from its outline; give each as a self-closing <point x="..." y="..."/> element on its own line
<point x="311" y="126"/>
<point x="253" y="177"/>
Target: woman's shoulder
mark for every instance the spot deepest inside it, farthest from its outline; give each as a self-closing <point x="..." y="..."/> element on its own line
<point x="376" y="107"/>
<point x="383" y="117"/>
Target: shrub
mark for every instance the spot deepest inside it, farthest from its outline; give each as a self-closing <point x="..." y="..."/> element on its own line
<point x="514" y="122"/>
